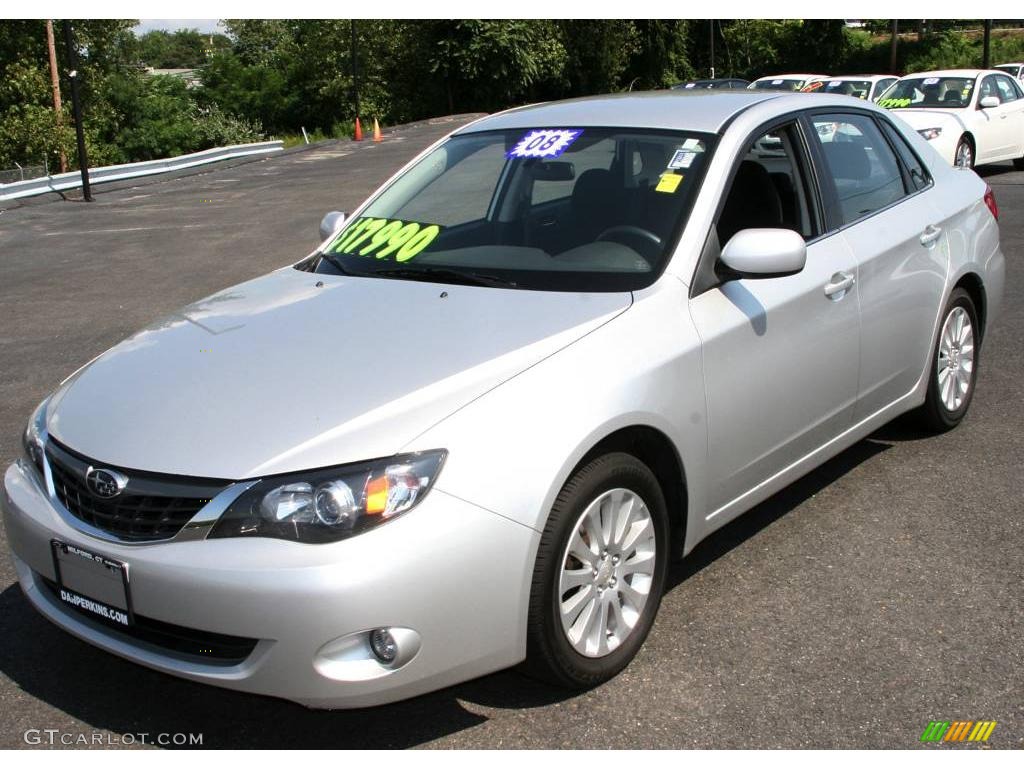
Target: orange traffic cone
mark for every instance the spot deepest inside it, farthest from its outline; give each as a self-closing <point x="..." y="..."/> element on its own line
<point x="376" y="131"/>
<point x="359" y="131"/>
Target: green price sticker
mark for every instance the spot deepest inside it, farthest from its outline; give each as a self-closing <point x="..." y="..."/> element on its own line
<point x="894" y="103"/>
<point x="381" y="238"/>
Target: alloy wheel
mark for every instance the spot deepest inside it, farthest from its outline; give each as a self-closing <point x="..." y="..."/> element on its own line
<point x="964" y="155"/>
<point x="956" y="359"/>
<point x="607" y="572"/>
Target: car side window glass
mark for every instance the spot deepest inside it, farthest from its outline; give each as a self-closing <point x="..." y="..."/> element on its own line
<point x="988" y="88"/>
<point x="861" y="163"/>
<point x="768" y="189"/>
<point x="919" y="176"/>
<point x="1006" y="90"/>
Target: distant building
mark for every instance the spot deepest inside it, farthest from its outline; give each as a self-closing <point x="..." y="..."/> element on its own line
<point x="190" y="76"/>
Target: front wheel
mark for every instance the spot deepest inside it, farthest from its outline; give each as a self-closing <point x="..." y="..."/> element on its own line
<point x="954" y="367"/>
<point x="599" y="573"/>
<point x="963" y="157"/>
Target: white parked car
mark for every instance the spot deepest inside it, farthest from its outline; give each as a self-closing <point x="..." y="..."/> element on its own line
<point x="785" y="82"/>
<point x="868" y="87"/>
<point x="1015" y="69"/>
<point x="970" y="116"/>
<point x="472" y="428"/>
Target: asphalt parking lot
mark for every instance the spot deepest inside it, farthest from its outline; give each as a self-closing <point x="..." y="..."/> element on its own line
<point x="882" y="591"/>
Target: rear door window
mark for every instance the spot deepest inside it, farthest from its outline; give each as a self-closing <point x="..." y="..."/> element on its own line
<point x="859" y="160"/>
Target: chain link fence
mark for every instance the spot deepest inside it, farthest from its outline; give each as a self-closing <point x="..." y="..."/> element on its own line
<point x="21" y="173"/>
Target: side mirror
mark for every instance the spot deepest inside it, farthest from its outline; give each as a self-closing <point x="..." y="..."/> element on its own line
<point x="988" y="102"/>
<point x="331" y="223"/>
<point x="765" y="253"/>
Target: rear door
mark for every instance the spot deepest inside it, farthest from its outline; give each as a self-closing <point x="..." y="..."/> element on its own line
<point x="887" y="219"/>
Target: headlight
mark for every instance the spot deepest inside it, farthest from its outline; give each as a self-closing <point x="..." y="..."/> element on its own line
<point x="930" y="133"/>
<point x="33" y="440"/>
<point x="327" y="505"/>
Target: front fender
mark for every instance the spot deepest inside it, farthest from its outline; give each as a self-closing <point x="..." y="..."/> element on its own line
<point x="512" y="450"/>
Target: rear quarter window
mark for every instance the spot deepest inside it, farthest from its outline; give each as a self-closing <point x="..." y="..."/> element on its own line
<point x="919" y="176"/>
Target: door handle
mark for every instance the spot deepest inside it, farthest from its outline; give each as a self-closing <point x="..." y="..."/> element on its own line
<point x="930" y="235"/>
<point x="838" y="285"/>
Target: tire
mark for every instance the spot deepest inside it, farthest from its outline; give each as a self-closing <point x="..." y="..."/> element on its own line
<point x="947" y="402"/>
<point x="1018" y="163"/>
<point x="614" y="582"/>
<point x="963" y="155"/>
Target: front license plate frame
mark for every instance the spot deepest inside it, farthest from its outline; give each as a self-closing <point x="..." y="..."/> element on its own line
<point x="93" y="583"/>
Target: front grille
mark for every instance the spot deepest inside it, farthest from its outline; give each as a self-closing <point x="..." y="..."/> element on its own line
<point x="195" y="644"/>
<point x="150" y="508"/>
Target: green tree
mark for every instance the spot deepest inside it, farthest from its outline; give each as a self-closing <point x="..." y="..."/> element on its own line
<point x="258" y="92"/>
<point x="659" y="58"/>
<point x="28" y="126"/>
<point x="181" y="49"/>
<point x="597" y="53"/>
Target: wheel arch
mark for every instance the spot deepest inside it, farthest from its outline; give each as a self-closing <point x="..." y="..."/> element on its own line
<point x="972" y="283"/>
<point x="655" y="449"/>
<point x="966" y="134"/>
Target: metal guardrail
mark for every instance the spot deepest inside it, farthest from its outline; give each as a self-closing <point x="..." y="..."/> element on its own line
<point x="72" y="180"/>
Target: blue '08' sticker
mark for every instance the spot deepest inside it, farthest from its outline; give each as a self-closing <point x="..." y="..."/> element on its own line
<point x="544" y="143"/>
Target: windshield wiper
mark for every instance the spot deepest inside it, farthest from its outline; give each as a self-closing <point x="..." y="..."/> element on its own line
<point x="441" y="275"/>
<point x="336" y="263"/>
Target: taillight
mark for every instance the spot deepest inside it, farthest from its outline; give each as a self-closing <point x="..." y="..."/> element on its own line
<point x="990" y="201"/>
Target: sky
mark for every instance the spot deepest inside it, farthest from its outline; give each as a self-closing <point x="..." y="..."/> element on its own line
<point x="203" y="25"/>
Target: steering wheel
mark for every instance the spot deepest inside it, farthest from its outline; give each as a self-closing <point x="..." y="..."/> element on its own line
<point x="628" y="229"/>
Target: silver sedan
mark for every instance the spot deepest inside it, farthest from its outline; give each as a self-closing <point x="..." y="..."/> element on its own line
<point x="551" y="354"/>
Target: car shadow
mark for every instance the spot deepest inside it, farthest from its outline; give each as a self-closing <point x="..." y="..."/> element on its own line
<point x="106" y="692"/>
<point x="752" y="522"/>
<point x="995" y="170"/>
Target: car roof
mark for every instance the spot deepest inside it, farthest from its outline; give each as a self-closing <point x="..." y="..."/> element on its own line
<point x="950" y="73"/>
<point x="861" y="77"/>
<point x="787" y="77"/>
<point x="1010" y="64"/>
<point x="699" y="110"/>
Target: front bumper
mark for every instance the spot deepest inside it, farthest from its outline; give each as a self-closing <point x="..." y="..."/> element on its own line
<point x="455" y="573"/>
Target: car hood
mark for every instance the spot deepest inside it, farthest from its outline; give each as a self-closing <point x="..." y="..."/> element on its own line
<point x="918" y="118"/>
<point x="285" y="372"/>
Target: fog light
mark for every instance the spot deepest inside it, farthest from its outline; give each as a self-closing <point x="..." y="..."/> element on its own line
<point x="384" y="646"/>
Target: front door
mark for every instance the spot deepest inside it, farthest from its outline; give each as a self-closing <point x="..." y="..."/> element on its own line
<point x="780" y="354"/>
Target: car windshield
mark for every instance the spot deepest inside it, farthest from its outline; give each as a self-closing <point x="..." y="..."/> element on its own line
<point x="777" y="84"/>
<point x="1012" y="69"/>
<point x="576" y="209"/>
<point x="917" y="92"/>
<point x="858" y="88"/>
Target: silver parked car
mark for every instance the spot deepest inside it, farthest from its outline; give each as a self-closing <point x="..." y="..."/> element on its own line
<point x="551" y="354"/>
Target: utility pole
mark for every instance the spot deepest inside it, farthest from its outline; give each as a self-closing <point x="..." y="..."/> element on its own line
<point x="55" y="83"/>
<point x="355" y="69"/>
<point x="711" y="45"/>
<point x="986" y="58"/>
<point x="76" y="110"/>
<point x="892" y="47"/>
